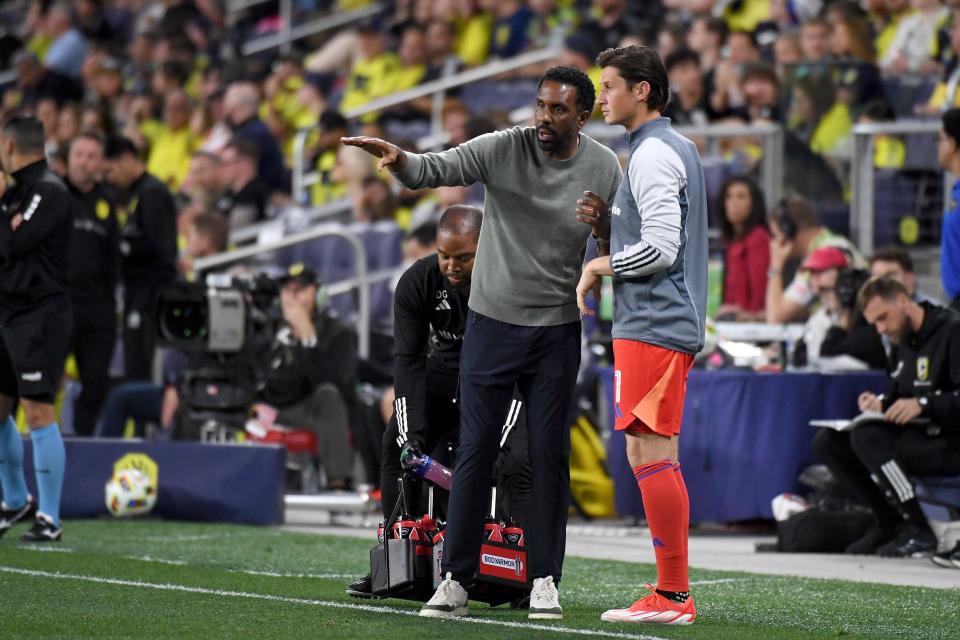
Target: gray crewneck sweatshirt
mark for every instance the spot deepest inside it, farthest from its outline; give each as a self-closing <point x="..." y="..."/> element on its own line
<point x="531" y="243"/>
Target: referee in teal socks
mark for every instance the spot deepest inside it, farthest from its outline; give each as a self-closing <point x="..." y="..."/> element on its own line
<point x="36" y="224"/>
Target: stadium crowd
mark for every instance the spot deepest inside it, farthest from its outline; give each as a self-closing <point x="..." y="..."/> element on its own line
<point x="173" y="141"/>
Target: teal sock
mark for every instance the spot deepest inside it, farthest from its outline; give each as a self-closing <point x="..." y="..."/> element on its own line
<point x="11" y="465"/>
<point x="49" y="460"/>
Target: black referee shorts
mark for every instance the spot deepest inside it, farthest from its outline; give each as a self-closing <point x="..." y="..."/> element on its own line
<point x="33" y="349"/>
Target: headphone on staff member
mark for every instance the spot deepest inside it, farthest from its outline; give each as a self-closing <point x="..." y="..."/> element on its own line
<point x="849" y="282"/>
<point x="784" y="221"/>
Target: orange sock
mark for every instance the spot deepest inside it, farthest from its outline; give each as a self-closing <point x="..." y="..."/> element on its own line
<point x="685" y="508"/>
<point x="662" y="500"/>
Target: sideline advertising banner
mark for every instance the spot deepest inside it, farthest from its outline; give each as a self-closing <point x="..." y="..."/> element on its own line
<point x="203" y="482"/>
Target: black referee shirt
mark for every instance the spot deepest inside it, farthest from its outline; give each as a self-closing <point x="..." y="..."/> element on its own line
<point x="35" y="230"/>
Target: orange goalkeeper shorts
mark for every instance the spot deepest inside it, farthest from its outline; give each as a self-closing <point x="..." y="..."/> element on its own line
<point x="650" y="384"/>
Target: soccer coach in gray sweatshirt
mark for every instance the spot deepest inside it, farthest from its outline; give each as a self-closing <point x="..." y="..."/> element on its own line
<point x="523" y="327"/>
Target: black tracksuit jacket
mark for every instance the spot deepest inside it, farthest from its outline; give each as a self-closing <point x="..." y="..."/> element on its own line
<point x="34" y="257"/>
<point x="927" y="365"/>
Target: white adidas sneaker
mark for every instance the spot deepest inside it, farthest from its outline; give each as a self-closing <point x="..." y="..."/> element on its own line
<point x="545" y="600"/>
<point x="450" y="601"/>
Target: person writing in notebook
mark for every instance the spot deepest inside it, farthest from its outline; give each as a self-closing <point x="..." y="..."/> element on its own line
<point x="918" y="433"/>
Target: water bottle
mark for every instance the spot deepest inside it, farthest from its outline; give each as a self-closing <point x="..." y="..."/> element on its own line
<point x="404" y="527"/>
<point x="430" y="469"/>
<point x="427" y="526"/>
<point x="492" y="530"/>
<point x="512" y="533"/>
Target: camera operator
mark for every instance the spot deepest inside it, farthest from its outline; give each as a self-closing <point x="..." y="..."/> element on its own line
<point x="94" y="271"/>
<point x="313" y="373"/>
<point x="917" y="434"/>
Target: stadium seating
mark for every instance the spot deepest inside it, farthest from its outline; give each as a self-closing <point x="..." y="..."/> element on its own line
<point x="940" y="496"/>
<point x="483" y="97"/>
<point x="905" y="92"/>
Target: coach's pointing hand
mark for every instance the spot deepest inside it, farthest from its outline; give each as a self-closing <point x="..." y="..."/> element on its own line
<point x="391" y="156"/>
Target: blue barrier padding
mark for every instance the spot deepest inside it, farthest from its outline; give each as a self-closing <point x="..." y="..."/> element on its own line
<point x="745" y="437"/>
<point x="203" y="482"/>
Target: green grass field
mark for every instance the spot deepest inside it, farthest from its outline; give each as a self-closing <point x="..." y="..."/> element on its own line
<point x="152" y="579"/>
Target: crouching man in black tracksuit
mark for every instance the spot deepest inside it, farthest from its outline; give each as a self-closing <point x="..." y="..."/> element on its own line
<point x="919" y="433"/>
<point x="430" y="315"/>
<point x="35" y="319"/>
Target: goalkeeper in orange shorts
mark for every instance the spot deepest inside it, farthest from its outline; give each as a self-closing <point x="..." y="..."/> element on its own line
<point x="657" y="255"/>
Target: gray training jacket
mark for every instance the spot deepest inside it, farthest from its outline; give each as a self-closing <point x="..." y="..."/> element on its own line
<point x="658" y="242"/>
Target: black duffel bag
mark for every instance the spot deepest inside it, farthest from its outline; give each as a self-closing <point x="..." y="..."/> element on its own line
<point x="822" y="530"/>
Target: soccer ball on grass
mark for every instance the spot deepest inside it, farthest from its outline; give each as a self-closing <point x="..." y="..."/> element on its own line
<point x="130" y="492"/>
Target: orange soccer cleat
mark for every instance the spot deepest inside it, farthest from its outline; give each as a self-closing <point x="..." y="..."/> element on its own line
<point x="654" y="609"/>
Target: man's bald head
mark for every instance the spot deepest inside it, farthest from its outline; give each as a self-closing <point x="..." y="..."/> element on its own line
<point x="457" y="235"/>
<point x="459" y="220"/>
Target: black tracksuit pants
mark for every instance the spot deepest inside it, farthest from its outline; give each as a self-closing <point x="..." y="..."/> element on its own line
<point x="94" y="336"/>
<point x="439" y="441"/>
<point x="542" y="362"/>
<point x="139" y="334"/>
<point x="876" y="460"/>
<point x="440" y="437"/>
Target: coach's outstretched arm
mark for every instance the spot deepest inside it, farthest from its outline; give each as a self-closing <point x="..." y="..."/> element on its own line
<point x="463" y="165"/>
<point x="391" y="156"/>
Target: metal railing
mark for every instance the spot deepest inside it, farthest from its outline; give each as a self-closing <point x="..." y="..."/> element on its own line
<point x="771" y="136"/>
<point x="488" y="70"/>
<point x="303" y="177"/>
<point x="289" y="33"/>
<point x="862" y="174"/>
<point x="359" y="282"/>
<point x="244" y="235"/>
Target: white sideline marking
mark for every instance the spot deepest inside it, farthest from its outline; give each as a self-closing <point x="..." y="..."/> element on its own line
<point x="319" y="603"/>
<point x="183" y="563"/>
<point x="277" y="574"/>
<point x="717" y="581"/>
<point x="30" y="547"/>
<point x="206" y="536"/>
<point x="320" y="576"/>
<point x="177" y="563"/>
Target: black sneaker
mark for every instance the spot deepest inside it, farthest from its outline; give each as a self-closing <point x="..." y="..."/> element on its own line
<point x="10" y="517"/>
<point x="909" y="543"/>
<point x="361" y="588"/>
<point x="875" y="537"/>
<point x="949" y="559"/>
<point x="43" y="530"/>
